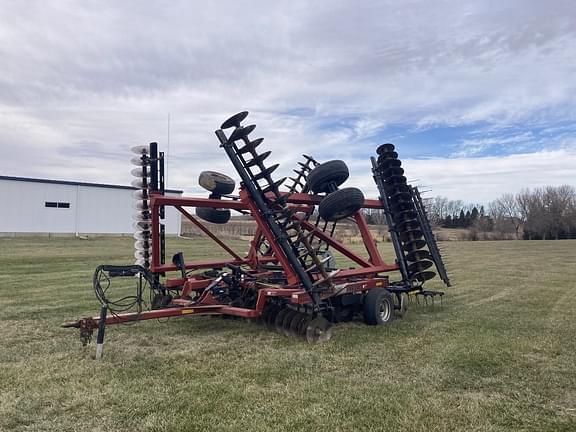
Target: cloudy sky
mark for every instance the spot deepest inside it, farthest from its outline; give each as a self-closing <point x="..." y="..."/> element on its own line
<point x="478" y="96"/>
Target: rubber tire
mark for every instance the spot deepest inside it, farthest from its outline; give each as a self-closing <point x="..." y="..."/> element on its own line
<point x="373" y="301"/>
<point x="217" y="183"/>
<point x="341" y="204"/>
<point x="213" y="215"/>
<point x="331" y="172"/>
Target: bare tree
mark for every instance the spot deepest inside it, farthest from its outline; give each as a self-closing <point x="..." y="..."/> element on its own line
<point x="437" y="209"/>
<point x="523" y="202"/>
<point x="509" y="211"/>
<point x="558" y="203"/>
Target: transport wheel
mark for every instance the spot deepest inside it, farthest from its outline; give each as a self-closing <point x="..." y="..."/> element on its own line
<point x="217" y="183"/>
<point x="318" y="330"/>
<point x="341" y="204"/>
<point x="378" y="307"/>
<point x="214" y="215"/>
<point x="322" y="177"/>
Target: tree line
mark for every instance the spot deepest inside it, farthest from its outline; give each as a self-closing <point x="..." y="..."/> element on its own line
<point x="544" y="213"/>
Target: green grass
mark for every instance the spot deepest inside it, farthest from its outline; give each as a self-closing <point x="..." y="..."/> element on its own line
<point x="499" y="355"/>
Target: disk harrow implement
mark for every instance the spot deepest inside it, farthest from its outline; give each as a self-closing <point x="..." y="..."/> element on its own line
<point x="414" y="241"/>
<point x="289" y="280"/>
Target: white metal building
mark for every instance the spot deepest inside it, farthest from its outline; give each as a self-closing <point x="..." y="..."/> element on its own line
<point x="53" y="206"/>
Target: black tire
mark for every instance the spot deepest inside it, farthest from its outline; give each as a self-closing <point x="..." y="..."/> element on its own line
<point x="378" y="307"/>
<point x="214" y="215"/>
<point x="341" y="204"/>
<point x="217" y="183"/>
<point x="329" y="173"/>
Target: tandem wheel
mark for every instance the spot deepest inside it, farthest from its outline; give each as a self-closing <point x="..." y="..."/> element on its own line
<point x="378" y="307"/>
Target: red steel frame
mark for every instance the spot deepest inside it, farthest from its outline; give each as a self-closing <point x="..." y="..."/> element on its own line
<point x="375" y="264"/>
<point x="348" y="281"/>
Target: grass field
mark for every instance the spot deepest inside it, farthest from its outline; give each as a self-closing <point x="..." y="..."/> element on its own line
<point x="499" y="355"/>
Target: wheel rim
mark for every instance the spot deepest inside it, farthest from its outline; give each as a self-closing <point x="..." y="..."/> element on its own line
<point x="384" y="311"/>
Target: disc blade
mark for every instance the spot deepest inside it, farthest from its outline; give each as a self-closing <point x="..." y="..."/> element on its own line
<point x="141" y="205"/>
<point x="405" y="215"/>
<point x="419" y="266"/>
<point x="142" y="263"/>
<point x="241" y="132"/>
<point x="413" y="245"/>
<point x="139" y="183"/>
<point x="142" y="245"/>
<point x="423" y="276"/>
<point x="384" y="148"/>
<point x="400" y="197"/>
<point x="235" y="120"/>
<point x="401" y="206"/>
<point x="264" y="316"/>
<point x="141" y="235"/>
<point x="318" y="330"/>
<point x="251" y="146"/>
<point x="266" y="172"/>
<point x="258" y="159"/>
<point x="303" y="325"/>
<point x="418" y="255"/>
<point x="410" y="235"/>
<point x="138" y="161"/>
<point x="396" y="180"/>
<point x="138" y="172"/>
<point x="287" y="320"/>
<point x="295" y="323"/>
<point x="142" y="225"/>
<point x="141" y="149"/>
<point x="139" y="254"/>
<point x="410" y="224"/>
<point x="140" y="194"/>
<point x="276" y="185"/>
<point x="393" y="171"/>
<point x="271" y="317"/>
<point x="280" y="319"/>
<point x="388" y="163"/>
<point x="142" y="216"/>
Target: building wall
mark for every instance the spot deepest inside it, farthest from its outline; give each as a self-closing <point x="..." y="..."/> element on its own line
<point x="92" y="209"/>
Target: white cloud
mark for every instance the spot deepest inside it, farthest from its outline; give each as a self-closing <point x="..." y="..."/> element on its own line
<point x="480" y="180"/>
<point x="81" y="82"/>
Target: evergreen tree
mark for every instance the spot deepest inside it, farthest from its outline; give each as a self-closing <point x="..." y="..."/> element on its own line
<point x="475" y="215"/>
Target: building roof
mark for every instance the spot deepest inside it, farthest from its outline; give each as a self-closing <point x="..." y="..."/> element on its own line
<point x="74" y="183"/>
